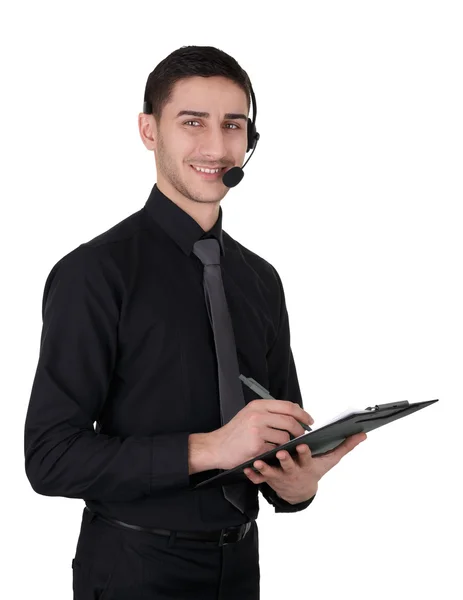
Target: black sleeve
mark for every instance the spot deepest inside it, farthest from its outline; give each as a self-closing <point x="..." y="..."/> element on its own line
<point x="64" y="456"/>
<point x="278" y="503"/>
<point x="284" y="385"/>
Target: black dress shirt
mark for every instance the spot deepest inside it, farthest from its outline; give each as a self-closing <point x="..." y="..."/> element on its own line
<point x="126" y="343"/>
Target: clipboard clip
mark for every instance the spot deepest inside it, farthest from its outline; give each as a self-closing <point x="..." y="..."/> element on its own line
<point x="401" y="404"/>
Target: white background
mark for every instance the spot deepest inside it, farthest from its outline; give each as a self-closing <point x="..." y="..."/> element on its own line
<point x="354" y="194"/>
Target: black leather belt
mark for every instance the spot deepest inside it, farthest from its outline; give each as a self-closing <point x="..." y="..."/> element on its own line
<point x="221" y="537"/>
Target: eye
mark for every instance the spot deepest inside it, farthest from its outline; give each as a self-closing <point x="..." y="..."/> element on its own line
<point x="234" y="124"/>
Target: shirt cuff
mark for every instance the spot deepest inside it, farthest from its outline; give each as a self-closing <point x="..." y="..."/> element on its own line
<point x="280" y="505"/>
<point x="169" y="462"/>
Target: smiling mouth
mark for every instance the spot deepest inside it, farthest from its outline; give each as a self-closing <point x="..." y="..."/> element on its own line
<point x="214" y="176"/>
<point x="214" y="170"/>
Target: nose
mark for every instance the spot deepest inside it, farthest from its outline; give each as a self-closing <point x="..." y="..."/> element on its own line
<point x="213" y="143"/>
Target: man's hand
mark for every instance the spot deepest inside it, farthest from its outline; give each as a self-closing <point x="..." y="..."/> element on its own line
<point x="259" y="427"/>
<point x="296" y="480"/>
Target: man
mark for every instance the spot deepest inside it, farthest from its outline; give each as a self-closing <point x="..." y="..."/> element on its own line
<point x="128" y="343"/>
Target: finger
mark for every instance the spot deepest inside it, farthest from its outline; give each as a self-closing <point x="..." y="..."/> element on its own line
<point x="304" y="455"/>
<point x="293" y="409"/>
<point x="352" y="441"/>
<point x="311" y="420"/>
<point x="286" y="461"/>
<point x="304" y="413"/>
<point x="347" y="445"/>
<point x="254" y="477"/>
<point x="266" y="470"/>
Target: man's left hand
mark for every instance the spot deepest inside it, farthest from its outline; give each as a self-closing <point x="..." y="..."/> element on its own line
<point x="296" y="480"/>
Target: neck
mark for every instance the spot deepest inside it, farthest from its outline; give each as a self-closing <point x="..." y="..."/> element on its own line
<point x="204" y="213"/>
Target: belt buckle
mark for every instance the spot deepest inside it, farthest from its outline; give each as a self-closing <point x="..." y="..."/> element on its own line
<point x="223" y="541"/>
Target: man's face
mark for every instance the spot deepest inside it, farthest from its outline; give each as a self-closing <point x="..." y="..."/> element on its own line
<point x="187" y="140"/>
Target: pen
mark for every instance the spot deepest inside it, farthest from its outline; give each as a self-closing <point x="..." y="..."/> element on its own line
<point x="263" y="393"/>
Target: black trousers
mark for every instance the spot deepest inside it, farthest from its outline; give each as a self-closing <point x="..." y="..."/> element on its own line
<point x="116" y="563"/>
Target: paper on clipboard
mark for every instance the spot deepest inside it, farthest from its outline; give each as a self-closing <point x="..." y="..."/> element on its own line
<point x="345" y="413"/>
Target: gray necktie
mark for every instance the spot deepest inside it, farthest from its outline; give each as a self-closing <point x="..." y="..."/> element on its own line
<point x="230" y="390"/>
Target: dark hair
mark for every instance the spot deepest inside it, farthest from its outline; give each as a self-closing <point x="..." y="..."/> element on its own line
<point x="191" y="61"/>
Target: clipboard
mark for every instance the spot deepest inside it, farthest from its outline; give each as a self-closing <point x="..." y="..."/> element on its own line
<point x="320" y="440"/>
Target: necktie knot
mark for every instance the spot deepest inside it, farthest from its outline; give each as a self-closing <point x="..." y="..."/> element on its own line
<point x="208" y="251"/>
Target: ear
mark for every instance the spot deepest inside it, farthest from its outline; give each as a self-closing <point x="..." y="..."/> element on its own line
<point x="147" y="130"/>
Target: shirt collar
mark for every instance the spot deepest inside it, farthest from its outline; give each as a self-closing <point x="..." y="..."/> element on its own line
<point x="178" y="224"/>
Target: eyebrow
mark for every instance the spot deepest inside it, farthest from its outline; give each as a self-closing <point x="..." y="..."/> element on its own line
<point x="206" y="115"/>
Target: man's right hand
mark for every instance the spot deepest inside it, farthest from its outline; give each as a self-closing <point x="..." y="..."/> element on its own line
<point x="258" y="427"/>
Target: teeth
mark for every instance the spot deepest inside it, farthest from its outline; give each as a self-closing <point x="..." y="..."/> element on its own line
<point x="206" y="170"/>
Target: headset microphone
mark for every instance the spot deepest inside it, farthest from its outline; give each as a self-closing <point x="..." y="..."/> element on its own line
<point x="234" y="175"/>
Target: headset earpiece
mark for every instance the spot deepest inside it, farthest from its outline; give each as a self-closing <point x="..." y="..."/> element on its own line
<point x="253" y="136"/>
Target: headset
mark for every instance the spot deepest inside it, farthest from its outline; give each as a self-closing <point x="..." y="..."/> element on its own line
<point x="234" y="175"/>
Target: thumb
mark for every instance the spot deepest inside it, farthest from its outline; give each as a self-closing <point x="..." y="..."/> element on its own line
<point x="331" y="458"/>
